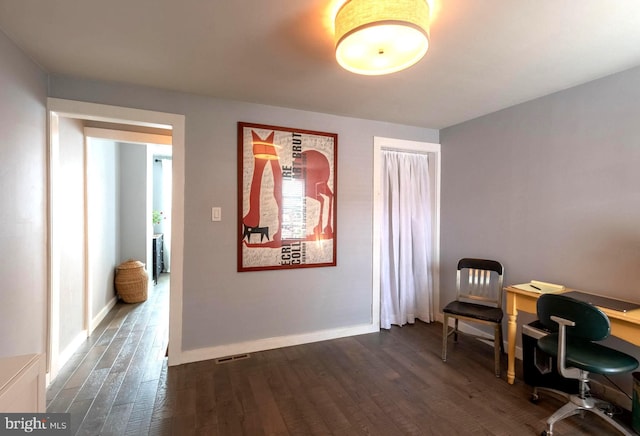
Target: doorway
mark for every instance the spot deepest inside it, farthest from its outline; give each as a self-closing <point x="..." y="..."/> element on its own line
<point x="131" y="119"/>
<point x="405" y="146"/>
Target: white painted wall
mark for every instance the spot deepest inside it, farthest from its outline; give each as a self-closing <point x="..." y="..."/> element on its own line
<point x="69" y="208"/>
<point x="103" y="220"/>
<point x="23" y="290"/>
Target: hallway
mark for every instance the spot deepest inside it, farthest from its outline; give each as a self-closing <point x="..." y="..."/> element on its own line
<point x="116" y="380"/>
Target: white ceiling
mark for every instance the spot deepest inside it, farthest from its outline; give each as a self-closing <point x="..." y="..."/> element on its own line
<point x="485" y="55"/>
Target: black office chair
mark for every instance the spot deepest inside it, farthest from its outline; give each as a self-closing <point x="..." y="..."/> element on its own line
<point x="576" y="326"/>
<point x="479" y="300"/>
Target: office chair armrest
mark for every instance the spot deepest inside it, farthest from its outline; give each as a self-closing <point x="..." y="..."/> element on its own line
<point x="562" y="321"/>
<point x="574" y="373"/>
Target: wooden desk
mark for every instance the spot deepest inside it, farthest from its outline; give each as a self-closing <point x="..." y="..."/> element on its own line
<point x="624" y="325"/>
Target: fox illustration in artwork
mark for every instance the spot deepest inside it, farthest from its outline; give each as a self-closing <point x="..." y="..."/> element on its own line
<point x="317" y="174"/>
<point x="264" y="152"/>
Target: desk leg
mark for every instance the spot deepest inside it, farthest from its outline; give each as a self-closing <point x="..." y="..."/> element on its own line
<point x="512" y="327"/>
<point x="511" y="347"/>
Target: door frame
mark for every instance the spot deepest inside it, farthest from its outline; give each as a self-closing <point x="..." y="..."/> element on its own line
<point x="123" y="137"/>
<point x="120" y="115"/>
<point x="402" y="145"/>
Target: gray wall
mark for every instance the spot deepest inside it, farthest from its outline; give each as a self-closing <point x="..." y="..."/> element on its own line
<point x="551" y="188"/>
<point x="222" y="306"/>
<point x="133" y="202"/>
<point x="23" y="92"/>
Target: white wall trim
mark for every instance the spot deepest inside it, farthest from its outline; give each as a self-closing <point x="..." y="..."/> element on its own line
<point x="52" y="333"/>
<point x="111" y="114"/>
<point x="73" y="346"/>
<point x="276" y="342"/>
<point x="433" y="149"/>
<point x="23" y="385"/>
<point x="139" y="117"/>
<point x="126" y="136"/>
<point x="100" y="316"/>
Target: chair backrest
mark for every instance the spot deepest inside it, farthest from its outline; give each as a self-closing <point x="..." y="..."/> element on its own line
<point x="590" y="322"/>
<point x="480" y="281"/>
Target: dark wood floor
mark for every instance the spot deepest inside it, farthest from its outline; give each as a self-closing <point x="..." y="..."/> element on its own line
<point x="387" y="383"/>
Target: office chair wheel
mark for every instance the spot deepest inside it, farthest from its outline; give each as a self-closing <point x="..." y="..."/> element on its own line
<point x="534" y="399"/>
<point x="544" y="433"/>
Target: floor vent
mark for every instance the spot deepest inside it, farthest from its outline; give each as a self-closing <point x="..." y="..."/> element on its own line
<point x="232" y="358"/>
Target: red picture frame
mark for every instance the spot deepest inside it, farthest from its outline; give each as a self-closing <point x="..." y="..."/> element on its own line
<point x="287" y="191"/>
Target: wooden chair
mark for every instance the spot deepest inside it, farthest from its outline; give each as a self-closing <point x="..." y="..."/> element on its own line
<point x="479" y="300"/>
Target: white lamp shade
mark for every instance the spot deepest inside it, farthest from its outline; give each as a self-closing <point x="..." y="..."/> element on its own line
<point x="376" y="37"/>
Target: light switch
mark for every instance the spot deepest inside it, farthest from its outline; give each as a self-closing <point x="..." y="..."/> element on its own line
<point x="216" y="214"/>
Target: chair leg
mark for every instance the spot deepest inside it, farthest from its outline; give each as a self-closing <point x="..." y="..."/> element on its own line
<point x="445" y="337"/>
<point x="455" y="330"/>
<point x="578" y="404"/>
<point x="602" y="414"/>
<point x="501" y="338"/>
<point x="537" y="390"/>
<point x="565" y="411"/>
<point x="497" y="346"/>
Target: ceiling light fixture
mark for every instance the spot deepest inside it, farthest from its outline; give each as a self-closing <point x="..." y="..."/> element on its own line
<point x="375" y="37"/>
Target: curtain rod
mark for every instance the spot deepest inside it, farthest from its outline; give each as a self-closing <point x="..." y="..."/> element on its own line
<point x="406" y="150"/>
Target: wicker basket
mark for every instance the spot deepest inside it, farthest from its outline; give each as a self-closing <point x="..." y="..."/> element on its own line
<point x="132" y="281"/>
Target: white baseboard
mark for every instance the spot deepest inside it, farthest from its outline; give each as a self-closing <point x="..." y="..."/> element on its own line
<point x="600" y="390"/>
<point x="271" y="343"/>
<point x="100" y="316"/>
<point x="66" y="354"/>
<point x="305" y="338"/>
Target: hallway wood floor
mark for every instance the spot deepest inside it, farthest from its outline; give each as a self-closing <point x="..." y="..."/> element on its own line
<point x="387" y="383"/>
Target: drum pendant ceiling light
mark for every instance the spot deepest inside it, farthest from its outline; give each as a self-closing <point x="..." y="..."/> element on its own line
<point x="375" y="37"/>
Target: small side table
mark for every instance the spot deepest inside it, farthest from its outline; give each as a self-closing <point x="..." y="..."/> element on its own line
<point x="158" y="256"/>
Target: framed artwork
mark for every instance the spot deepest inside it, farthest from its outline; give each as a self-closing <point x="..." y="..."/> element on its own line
<point x="287" y="181"/>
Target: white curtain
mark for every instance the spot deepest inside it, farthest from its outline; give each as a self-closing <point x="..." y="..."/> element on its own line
<point x="406" y="283"/>
<point x="166" y="205"/>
